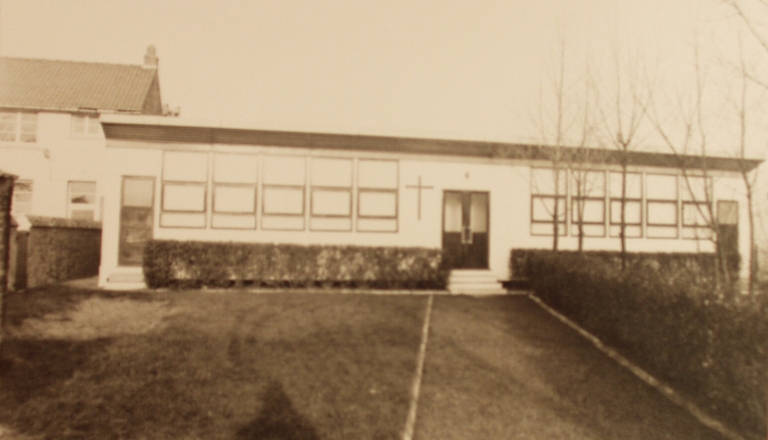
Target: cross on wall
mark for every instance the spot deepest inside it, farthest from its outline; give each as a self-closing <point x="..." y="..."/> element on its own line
<point x="419" y="187"/>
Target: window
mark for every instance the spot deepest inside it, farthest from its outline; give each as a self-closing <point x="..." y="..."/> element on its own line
<point x="588" y="203"/>
<point x="377" y="183"/>
<point x="22" y="197"/>
<point x="633" y="204"/>
<point x="661" y="205"/>
<point x="185" y="181"/>
<point x="18" y="127"/>
<point x="331" y="195"/>
<point x="234" y="191"/>
<point x="86" y="125"/>
<point x="549" y="189"/>
<point x="82" y="200"/>
<point x="283" y="197"/>
<point x="697" y="207"/>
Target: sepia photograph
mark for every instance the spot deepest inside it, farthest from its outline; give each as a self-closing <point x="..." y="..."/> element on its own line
<point x="400" y="219"/>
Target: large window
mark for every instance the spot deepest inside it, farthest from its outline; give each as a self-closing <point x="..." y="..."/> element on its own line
<point x="283" y="199"/>
<point x="633" y="204"/>
<point x="588" y="203"/>
<point x="22" y="197"/>
<point x="18" y="126"/>
<point x="377" y="183"/>
<point x="331" y="195"/>
<point x="234" y="191"/>
<point x="86" y="125"/>
<point x="184" y="197"/>
<point x="661" y="205"/>
<point x="549" y="190"/>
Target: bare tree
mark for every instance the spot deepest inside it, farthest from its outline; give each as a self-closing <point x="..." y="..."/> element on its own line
<point x="692" y="140"/>
<point x="554" y="126"/>
<point x="620" y="117"/>
<point x="752" y="15"/>
<point x="748" y="177"/>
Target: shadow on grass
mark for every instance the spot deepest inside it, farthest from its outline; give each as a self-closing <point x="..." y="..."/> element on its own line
<point x="278" y="419"/>
<point x="28" y="366"/>
<point x="58" y="298"/>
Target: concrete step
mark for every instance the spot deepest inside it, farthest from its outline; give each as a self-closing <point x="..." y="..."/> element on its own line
<point x="129" y="280"/>
<point x="474" y="282"/>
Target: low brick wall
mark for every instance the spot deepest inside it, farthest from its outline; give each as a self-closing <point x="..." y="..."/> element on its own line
<point x="61" y="249"/>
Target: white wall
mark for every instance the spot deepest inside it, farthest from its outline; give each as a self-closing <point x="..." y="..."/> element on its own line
<point x="507" y="182"/>
<point x="56" y="158"/>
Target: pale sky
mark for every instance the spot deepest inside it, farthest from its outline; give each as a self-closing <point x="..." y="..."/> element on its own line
<point x="429" y="68"/>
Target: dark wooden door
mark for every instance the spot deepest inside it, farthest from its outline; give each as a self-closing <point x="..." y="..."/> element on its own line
<point x="465" y="229"/>
<point x="136" y="218"/>
<point x="728" y="233"/>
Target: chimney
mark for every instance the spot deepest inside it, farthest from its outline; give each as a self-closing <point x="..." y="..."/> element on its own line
<point x="150" y="59"/>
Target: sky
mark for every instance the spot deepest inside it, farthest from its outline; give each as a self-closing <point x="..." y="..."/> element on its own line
<point x="424" y="68"/>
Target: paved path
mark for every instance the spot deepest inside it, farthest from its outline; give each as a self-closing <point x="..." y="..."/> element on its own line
<point x="503" y="368"/>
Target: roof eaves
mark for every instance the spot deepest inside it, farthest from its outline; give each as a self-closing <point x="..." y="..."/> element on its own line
<point x="158" y="131"/>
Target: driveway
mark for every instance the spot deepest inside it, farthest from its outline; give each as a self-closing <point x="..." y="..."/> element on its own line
<point x="503" y="368"/>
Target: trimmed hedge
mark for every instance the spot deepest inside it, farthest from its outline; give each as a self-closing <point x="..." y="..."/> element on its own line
<point x="217" y="264"/>
<point x="664" y="314"/>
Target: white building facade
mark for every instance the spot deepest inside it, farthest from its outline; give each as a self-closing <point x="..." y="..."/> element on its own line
<point x="50" y="135"/>
<point x="171" y="179"/>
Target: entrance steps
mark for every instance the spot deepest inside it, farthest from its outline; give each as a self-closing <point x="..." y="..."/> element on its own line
<point x="474" y="282"/>
<point x="125" y="279"/>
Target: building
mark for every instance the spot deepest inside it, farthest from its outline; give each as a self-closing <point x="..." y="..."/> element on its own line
<point x="50" y="134"/>
<point x="172" y="179"/>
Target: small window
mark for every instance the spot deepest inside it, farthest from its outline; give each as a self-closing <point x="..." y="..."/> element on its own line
<point x="18" y="127"/>
<point x="661" y="206"/>
<point x="549" y="189"/>
<point x="696" y="220"/>
<point x="331" y="195"/>
<point x="235" y="177"/>
<point x="22" y="197"/>
<point x="588" y="203"/>
<point x="377" y="195"/>
<point x="82" y="200"/>
<point x="184" y="189"/>
<point x="633" y="204"/>
<point x="283" y="200"/>
<point x="86" y="125"/>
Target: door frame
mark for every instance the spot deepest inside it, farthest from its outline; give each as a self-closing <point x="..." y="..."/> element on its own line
<point x="123" y="178"/>
<point x="487" y="220"/>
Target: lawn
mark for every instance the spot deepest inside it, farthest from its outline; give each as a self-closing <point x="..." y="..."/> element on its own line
<point x="85" y="364"/>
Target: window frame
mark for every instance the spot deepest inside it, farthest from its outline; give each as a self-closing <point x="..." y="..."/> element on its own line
<point x="649" y="202"/>
<point x="361" y="189"/>
<point x="17" y="194"/>
<point x="692" y="231"/>
<point x="215" y="184"/>
<point x="562" y="225"/>
<point x="318" y="188"/>
<point x="18" y="126"/>
<point x="588" y="198"/>
<point x="93" y="207"/>
<point x="265" y="187"/>
<point x="89" y="120"/>
<point x="626" y="200"/>
<point x="165" y="183"/>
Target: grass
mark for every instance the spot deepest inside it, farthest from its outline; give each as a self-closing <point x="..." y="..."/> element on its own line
<point x="220" y="365"/>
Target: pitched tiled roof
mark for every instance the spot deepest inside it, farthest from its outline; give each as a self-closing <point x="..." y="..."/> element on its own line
<point x="67" y="85"/>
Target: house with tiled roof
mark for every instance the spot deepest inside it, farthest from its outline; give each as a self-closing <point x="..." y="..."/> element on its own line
<point x="50" y="135"/>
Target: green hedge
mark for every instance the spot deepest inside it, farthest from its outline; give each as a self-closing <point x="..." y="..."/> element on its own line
<point x="218" y="264"/>
<point x="664" y="314"/>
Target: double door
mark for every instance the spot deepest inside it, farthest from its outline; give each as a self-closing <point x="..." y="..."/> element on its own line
<point x="465" y="229"/>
